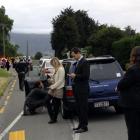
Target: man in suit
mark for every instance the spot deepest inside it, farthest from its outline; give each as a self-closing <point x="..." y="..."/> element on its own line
<point x="80" y="87"/>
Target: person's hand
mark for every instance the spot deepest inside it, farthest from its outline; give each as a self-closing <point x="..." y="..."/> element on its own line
<point x="72" y="75"/>
<point x="51" y="87"/>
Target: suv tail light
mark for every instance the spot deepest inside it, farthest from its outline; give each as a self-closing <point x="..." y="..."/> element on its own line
<point x="69" y="91"/>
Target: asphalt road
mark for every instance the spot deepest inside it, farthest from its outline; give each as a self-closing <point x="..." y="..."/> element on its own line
<point x="103" y="124"/>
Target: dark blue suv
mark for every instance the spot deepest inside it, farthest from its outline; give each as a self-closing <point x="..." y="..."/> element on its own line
<point x="105" y="73"/>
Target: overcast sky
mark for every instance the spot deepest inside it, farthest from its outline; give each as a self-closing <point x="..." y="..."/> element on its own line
<point x="35" y="16"/>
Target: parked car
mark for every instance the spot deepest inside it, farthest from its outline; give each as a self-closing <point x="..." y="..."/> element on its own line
<point x="46" y="69"/>
<point x="105" y="73"/>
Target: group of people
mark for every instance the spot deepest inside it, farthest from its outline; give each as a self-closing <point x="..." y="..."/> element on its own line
<point x="128" y="89"/>
<point x="51" y="97"/>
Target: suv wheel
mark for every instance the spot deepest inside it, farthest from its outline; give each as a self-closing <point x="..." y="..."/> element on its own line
<point x="65" y="113"/>
<point x="118" y="109"/>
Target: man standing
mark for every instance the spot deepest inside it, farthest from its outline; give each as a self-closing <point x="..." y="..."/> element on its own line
<point x="22" y="69"/>
<point x="81" y="89"/>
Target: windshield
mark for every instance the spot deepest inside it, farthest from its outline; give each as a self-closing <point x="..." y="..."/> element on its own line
<point x="103" y="71"/>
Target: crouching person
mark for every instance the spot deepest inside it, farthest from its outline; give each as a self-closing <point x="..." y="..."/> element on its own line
<point x="35" y="99"/>
<point x="55" y="92"/>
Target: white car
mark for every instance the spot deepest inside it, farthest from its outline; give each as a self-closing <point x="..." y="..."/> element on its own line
<point x="46" y="69"/>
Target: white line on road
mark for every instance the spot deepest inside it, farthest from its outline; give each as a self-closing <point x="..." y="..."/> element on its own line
<point x="73" y="124"/>
<point x="11" y="125"/>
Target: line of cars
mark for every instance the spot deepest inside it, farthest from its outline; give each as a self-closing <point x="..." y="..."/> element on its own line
<point x="105" y="73"/>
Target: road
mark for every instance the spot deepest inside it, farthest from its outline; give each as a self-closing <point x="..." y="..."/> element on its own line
<point x="103" y="124"/>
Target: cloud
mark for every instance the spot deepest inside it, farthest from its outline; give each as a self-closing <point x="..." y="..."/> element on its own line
<point x="36" y="15"/>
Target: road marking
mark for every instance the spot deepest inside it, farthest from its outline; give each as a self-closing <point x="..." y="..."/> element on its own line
<point x="2" y="109"/>
<point x="5" y="103"/>
<point x="73" y="124"/>
<point x="7" y="98"/>
<point x="11" y="125"/>
<point x="11" y="89"/>
<point x="17" y="135"/>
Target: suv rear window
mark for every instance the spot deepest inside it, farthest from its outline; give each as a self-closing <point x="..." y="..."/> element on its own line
<point x="104" y="70"/>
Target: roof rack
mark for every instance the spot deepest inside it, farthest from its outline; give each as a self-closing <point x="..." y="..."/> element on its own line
<point x="105" y="56"/>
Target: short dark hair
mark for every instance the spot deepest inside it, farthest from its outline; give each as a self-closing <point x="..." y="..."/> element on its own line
<point x="75" y="50"/>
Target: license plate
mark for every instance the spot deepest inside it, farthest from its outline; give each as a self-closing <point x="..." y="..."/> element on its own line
<point x="101" y="104"/>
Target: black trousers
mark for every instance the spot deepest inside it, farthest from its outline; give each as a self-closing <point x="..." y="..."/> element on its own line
<point x="33" y="105"/>
<point x="21" y="77"/>
<point x="132" y="119"/>
<point x="36" y="98"/>
<point x="81" y="106"/>
<point x="53" y="105"/>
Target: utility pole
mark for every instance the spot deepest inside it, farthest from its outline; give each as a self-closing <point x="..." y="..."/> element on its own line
<point x="3" y="42"/>
<point x="27" y="58"/>
<point x="3" y="36"/>
<point x="27" y="55"/>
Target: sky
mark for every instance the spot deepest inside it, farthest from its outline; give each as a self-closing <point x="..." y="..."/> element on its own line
<point x="35" y="16"/>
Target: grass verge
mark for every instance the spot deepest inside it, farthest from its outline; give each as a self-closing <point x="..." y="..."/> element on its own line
<point x="4" y="78"/>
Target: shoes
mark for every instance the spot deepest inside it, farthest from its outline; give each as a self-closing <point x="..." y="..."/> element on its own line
<point x="81" y="130"/>
<point x="76" y="128"/>
<point x="52" y="121"/>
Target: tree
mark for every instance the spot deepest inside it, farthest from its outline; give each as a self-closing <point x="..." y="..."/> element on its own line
<point x="5" y="27"/>
<point x="38" y="55"/>
<point x="65" y="34"/>
<point x="129" y="31"/>
<point x="101" y="41"/>
<point x="121" y="49"/>
<point x="71" y="29"/>
<point x="86" y="27"/>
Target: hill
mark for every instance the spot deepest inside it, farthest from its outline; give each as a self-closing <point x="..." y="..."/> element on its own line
<point x="36" y="43"/>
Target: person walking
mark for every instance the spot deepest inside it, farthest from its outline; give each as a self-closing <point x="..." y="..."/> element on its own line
<point x="55" y="93"/>
<point x="80" y="87"/>
<point x="21" y="68"/>
<point x="129" y="90"/>
<point x="7" y="65"/>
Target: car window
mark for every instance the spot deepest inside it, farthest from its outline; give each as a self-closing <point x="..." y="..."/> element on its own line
<point x="47" y="64"/>
<point x="104" y="71"/>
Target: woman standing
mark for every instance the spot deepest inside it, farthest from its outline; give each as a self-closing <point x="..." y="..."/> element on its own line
<point x="129" y="88"/>
<point x="55" y="93"/>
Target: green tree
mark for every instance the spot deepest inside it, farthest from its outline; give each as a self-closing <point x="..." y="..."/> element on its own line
<point x="101" y="41"/>
<point x="38" y="55"/>
<point x="71" y="29"/>
<point x="129" y="31"/>
<point x="86" y="27"/>
<point x="5" y="27"/>
<point x="122" y="48"/>
<point x="65" y="34"/>
<point x="11" y="50"/>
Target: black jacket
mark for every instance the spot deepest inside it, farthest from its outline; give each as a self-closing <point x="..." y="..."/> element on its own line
<point x="129" y="88"/>
<point x="82" y="71"/>
<point x="21" y="67"/>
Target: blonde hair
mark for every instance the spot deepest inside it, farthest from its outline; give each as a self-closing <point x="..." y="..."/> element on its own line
<point x="55" y="63"/>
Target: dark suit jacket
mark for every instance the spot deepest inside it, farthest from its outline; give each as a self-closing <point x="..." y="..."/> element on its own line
<point x="129" y="88"/>
<point x="82" y="71"/>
